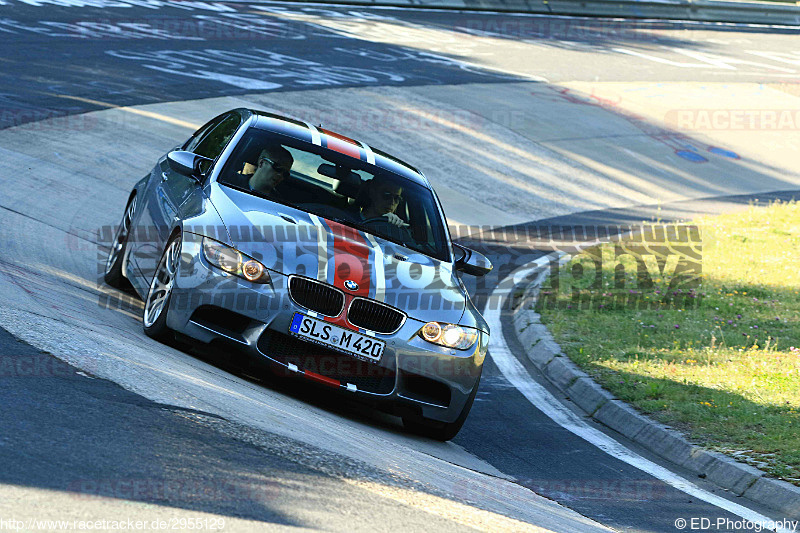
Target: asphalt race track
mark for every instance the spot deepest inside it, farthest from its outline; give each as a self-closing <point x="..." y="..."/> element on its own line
<point x="518" y="121"/>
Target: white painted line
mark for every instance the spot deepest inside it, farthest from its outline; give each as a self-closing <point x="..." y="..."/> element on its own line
<point x="518" y="376"/>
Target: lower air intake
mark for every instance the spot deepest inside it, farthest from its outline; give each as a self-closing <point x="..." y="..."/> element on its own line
<point x="286" y="349"/>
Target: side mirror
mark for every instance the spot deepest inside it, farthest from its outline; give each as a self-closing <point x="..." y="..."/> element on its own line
<point x="471" y="262"/>
<point x="188" y="164"/>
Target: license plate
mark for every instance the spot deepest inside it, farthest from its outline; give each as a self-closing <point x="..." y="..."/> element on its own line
<point x="350" y="342"/>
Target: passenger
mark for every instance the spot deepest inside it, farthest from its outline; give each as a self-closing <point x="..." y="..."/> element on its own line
<point x="272" y="167"/>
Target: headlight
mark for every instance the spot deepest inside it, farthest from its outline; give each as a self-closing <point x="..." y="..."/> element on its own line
<point x="233" y="261"/>
<point x="449" y="335"/>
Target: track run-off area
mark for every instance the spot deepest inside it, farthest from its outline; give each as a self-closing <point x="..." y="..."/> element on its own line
<point x="515" y="119"/>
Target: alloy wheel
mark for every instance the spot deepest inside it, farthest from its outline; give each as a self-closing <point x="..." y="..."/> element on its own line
<point x="161" y="286"/>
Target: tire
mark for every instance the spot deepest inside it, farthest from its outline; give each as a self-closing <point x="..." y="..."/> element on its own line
<point x="443" y="431"/>
<point x="113" y="274"/>
<point x="156" y="304"/>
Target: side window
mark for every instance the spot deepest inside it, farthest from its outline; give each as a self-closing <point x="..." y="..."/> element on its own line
<point x="211" y="145"/>
<point x="198" y="136"/>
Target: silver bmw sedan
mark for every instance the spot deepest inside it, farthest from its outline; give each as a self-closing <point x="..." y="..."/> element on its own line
<point x="316" y="254"/>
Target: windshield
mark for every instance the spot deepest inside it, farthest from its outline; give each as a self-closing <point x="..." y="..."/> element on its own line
<point x="337" y="187"/>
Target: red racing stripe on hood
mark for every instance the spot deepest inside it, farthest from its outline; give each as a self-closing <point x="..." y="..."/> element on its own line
<point x="350" y="262"/>
<point x="351" y="253"/>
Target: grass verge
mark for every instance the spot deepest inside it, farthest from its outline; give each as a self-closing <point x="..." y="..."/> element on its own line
<point x="720" y="361"/>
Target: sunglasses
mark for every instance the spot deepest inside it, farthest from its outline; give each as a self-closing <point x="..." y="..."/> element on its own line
<point x="388" y="195"/>
<point x="275" y="166"/>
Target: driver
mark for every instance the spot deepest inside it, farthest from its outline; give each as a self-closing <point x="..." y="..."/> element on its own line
<point x="382" y="198"/>
<point x="272" y="167"/>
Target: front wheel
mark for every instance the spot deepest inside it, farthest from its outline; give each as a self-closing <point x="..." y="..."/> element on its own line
<point x="436" y="430"/>
<point x="156" y="305"/>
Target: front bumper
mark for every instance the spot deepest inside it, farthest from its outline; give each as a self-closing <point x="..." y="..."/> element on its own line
<point x="210" y="305"/>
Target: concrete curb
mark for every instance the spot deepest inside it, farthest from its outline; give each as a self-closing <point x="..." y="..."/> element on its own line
<point x="746" y="12"/>
<point x="741" y="479"/>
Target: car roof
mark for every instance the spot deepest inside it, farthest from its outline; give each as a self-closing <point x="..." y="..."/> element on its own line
<point x="340" y="143"/>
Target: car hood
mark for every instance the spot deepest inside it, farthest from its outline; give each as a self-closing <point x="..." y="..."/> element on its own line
<point x="291" y="241"/>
